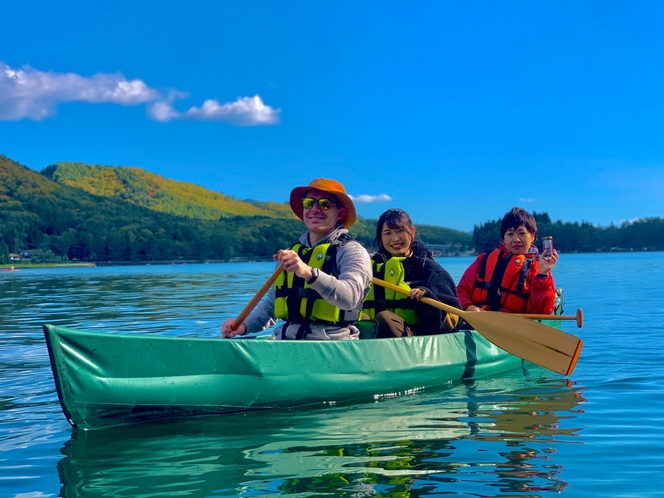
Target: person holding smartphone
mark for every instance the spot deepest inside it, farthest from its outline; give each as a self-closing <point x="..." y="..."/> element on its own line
<point x="514" y="277"/>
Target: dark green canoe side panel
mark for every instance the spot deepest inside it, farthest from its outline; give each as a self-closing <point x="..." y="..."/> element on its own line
<point x="107" y="379"/>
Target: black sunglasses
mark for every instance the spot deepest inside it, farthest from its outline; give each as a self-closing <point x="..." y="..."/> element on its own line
<point x="324" y="204"/>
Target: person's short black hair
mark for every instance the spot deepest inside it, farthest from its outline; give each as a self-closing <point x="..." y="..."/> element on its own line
<point x="516" y="217"/>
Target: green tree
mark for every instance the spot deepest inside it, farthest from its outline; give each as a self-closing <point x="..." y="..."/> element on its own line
<point x="4" y="252"/>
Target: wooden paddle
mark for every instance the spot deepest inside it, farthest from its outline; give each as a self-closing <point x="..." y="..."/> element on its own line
<point x="533" y="341"/>
<point x="256" y="299"/>
<point x="578" y="317"/>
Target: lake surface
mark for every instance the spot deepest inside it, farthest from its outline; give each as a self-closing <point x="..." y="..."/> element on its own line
<point x="527" y="432"/>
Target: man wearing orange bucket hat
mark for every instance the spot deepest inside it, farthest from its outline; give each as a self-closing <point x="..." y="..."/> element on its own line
<point x="326" y="274"/>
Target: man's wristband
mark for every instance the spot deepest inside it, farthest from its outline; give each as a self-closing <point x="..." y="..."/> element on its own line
<point x="314" y="276"/>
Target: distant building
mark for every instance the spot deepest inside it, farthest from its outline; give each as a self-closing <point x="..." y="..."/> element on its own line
<point x="14" y="257"/>
<point x="439" y="250"/>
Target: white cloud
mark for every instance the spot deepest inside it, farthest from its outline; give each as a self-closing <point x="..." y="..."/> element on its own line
<point x="527" y="199"/>
<point x="370" y="199"/>
<point x="28" y="93"/>
<point x="33" y="94"/>
<point x="162" y="111"/>
<point x="245" y="111"/>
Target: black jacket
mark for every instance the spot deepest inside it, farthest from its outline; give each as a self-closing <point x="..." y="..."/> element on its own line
<point x="424" y="272"/>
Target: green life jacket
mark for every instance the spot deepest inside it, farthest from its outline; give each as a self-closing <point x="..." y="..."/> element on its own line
<point x="296" y="302"/>
<point x="381" y="299"/>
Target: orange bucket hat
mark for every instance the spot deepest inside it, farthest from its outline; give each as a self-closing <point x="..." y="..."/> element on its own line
<point x="331" y="186"/>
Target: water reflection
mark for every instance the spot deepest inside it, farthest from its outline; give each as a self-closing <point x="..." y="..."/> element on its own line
<point x="479" y="438"/>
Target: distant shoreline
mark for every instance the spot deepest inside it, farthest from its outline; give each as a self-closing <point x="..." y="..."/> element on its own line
<point x="28" y="266"/>
<point x="93" y="264"/>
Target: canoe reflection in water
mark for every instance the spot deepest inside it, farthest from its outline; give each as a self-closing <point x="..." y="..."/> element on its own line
<point x="477" y="437"/>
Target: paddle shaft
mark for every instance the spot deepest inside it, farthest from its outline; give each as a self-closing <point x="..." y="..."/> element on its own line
<point x="455" y="311"/>
<point x="426" y="300"/>
<point x="578" y="318"/>
<point x="530" y="340"/>
<point x="256" y="299"/>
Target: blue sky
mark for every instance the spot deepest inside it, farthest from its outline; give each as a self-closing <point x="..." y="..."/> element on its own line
<point x="453" y="111"/>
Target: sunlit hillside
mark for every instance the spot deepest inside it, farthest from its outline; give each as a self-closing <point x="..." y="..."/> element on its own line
<point x="157" y="193"/>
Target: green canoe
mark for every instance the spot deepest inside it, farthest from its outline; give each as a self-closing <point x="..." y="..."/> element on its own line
<point x="106" y="379"/>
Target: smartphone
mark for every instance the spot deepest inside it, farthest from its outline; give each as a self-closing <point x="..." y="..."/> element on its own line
<point x="547" y="246"/>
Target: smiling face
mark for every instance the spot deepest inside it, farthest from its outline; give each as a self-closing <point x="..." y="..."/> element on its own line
<point x="397" y="240"/>
<point x="322" y="222"/>
<point x="518" y="240"/>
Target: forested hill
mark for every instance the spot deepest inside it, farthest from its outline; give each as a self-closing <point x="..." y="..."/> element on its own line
<point x="645" y="234"/>
<point x="98" y="213"/>
<point x="158" y="193"/>
<point x="65" y="220"/>
<point x="58" y="221"/>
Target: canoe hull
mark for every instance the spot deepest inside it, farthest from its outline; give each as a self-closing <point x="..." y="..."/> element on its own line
<point x="105" y="379"/>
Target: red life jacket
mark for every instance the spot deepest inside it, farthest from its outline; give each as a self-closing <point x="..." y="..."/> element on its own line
<point x="503" y="280"/>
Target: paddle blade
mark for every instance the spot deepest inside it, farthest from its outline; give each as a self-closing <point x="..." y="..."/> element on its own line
<point x="534" y="342"/>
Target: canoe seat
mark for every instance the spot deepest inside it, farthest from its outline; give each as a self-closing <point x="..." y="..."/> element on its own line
<point x="559" y="303"/>
<point x="367" y="328"/>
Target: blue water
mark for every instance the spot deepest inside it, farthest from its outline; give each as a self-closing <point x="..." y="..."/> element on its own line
<point x="526" y="433"/>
